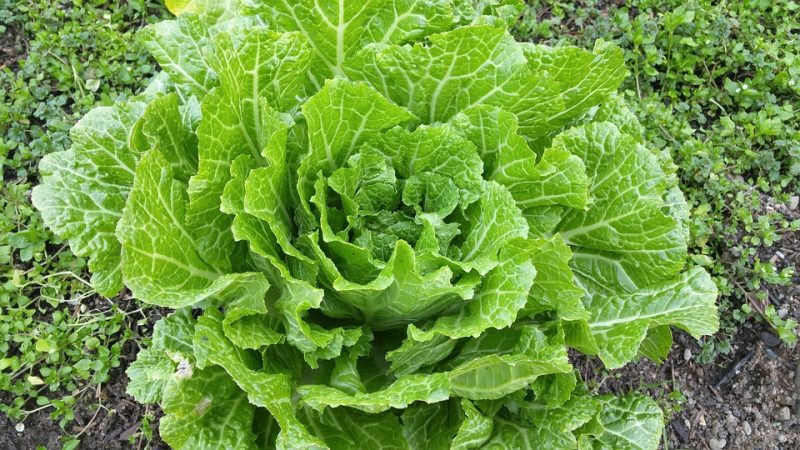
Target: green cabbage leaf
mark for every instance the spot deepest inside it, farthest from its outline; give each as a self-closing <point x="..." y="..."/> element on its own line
<point x="380" y="225"/>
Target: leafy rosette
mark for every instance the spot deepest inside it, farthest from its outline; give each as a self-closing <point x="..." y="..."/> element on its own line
<point x="382" y="225"/>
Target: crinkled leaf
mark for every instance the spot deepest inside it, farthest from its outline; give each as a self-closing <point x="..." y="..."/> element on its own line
<point x="554" y="288"/>
<point x="503" y="292"/>
<point x="624" y="240"/>
<point x="585" y="78"/>
<point x="657" y="343"/>
<point x="620" y="322"/>
<point x="346" y="428"/>
<point x="338" y="31"/>
<point x="266" y="390"/>
<point x="206" y="411"/>
<point x="84" y="189"/>
<point x="161" y="261"/>
<point x="257" y="67"/>
<point x="406" y="390"/>
<point x="557" y="178"/>
<point x="149" y="375"/>
<point x="430" y="426"/>
<point x="400" y="294"/>
<point x="474" y="430"/>
<point x="630" y="422"/>
<point x="492" y="12"/>
<point x="212" y="10"/>
<point x="178" y="47"/>
<point x="341" y="116"/>
<point x="465" y="67"/>
<point x="162" y="127"/>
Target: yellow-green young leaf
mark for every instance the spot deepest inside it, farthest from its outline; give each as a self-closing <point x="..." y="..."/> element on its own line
<point x="45" y="346"/>
<point x="211" y="10"/>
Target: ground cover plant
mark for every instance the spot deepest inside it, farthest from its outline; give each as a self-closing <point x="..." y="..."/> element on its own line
<point x="58" y="340"/>
<point x="390" y="236"/>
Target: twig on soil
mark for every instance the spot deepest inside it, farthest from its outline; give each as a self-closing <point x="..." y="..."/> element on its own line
<point x="97" y="411"/>
<point x="733" y="371"/>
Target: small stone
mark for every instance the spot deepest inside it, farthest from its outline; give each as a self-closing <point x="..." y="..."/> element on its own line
<point x="748" y="430"/>
<point x="784" y="414"/>
<point x="20" y="427"/>
<point x="782" y="312"/>
<point x="687" y="354"/>
<point x="782" y="438"/>
<point x="770" y="339"/>
<point x="717" y="444"/>
<point x="701" y="421"/>
<point x="794" y="201"/>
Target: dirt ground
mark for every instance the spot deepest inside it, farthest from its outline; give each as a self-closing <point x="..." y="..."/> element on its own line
<point x="12" y="47"/>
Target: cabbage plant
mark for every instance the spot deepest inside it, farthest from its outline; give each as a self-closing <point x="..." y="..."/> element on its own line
<point x="381" y="224"/>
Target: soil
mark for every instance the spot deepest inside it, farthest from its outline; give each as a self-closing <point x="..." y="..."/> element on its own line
<point x="12" y="47"/>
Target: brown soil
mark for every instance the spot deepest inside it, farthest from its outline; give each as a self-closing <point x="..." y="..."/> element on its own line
<point x="12" y="47"/>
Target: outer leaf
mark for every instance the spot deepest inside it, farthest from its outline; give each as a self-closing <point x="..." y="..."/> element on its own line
<point x="169" y="357"/>
<point x="619" y="323"/>
<point x="615" y="110"/>
<point x="173" y="335"/>
<point x="494" y="12"/>
<point x="465" y="67"/>
<point x="270" y="391"/>
<point x="585" y="78"/>
<point x="339" y="30"/>
<point x="551" y="428"/>
<point x="177" y="46"/>
<point x="148" y="375"/>
<point x="657" y="344"/>
<point x="83" y="190"/>
<point x="346" y="428"/>
<point x="630" y="422"/>
<point x="206" y="411"/>
<point x="625" y="240"/>
<point x="161" y="263"/>
<point x="213" y="10"/>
